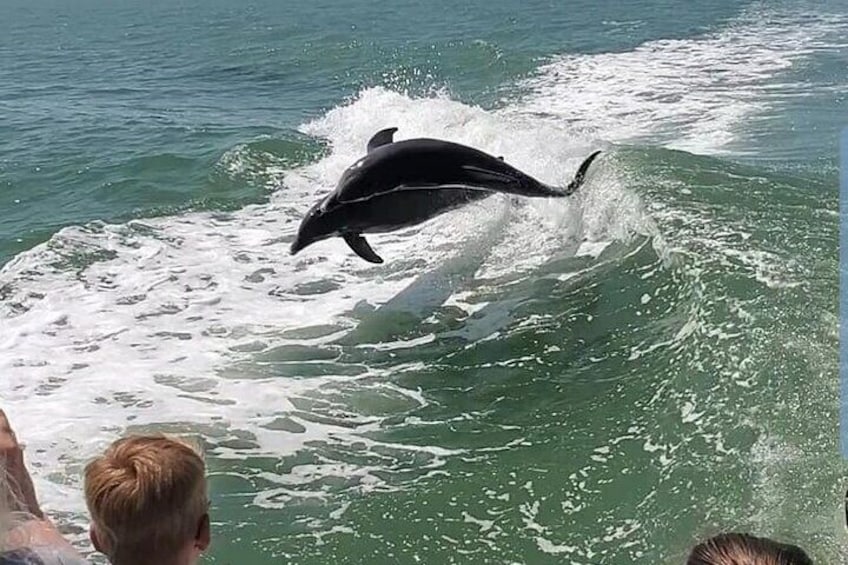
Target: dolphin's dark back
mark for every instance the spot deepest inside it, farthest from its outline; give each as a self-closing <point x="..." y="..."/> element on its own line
<point x="427" y="162"/>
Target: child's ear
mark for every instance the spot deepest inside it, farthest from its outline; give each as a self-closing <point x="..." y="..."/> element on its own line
<point x="95" y="539"/>
<point x="204" y="533"/>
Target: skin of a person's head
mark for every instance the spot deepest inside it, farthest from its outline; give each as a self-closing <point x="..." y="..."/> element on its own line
<point x="147" y="497"/>
<point x="745" y="549"/>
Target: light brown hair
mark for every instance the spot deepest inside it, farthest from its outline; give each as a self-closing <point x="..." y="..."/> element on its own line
<point x="147" y="495"/>
<point x="745" y="549"/>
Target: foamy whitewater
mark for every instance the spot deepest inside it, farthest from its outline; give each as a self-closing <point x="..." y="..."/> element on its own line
<point x="151" y="316"/>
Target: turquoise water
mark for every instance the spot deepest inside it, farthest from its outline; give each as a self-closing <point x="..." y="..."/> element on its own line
<point x="604" y="380"/>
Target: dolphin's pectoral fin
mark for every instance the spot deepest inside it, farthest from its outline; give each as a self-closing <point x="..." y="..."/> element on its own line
<point x="360" y="247"/>
<point x="580" y="175"/>
<point x="382" y="137"/>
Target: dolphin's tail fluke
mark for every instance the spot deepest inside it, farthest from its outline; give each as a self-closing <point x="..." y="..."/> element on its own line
<point x="580" y="175"/>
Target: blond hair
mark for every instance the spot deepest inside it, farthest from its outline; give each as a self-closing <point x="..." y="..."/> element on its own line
<point x="13" y="513"/>
<point x="745" y="549"/>
<point x="146" y="496"/>
<point x="10" y="518"/>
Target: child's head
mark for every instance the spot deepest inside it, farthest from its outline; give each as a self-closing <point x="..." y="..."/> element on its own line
<point x="148" y="501"/>
<point x="745" y="549"/>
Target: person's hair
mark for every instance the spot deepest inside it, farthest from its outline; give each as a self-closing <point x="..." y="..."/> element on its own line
<point x="146" y="495"/>
<point x="6" y="516"/>
<point x="745" y="549"/>
<point x="10" y="515"/>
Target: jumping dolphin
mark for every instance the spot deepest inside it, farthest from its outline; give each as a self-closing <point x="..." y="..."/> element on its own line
<point x="401" y="184"/>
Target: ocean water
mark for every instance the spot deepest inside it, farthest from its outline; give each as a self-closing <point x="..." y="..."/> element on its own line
<point x="603" y="380"/>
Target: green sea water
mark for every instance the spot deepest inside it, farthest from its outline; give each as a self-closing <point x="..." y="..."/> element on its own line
<point x="604" y="380"/>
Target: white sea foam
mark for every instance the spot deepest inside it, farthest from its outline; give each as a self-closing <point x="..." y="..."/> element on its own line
<point x="690" y="94"/>
<point x="161" y="320"/>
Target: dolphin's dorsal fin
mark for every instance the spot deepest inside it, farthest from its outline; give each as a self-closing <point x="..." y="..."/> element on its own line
<point x="361" y="247"/>
<point x="382" y="137"/>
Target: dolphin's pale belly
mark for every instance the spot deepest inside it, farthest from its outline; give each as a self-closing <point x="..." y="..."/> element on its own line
<point x="404" y="208"/>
